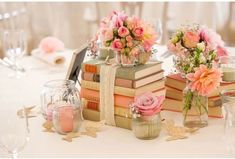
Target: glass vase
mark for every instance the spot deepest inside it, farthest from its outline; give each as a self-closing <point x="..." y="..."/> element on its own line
<point x="60" y="104"/>
<point x="146" y="127"/>
<point x="144" y="57"/>
<point x="128" y="61"/>
<point x="195" y="109"/>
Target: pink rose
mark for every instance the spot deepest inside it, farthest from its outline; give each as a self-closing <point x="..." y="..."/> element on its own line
<point x="129" y="38"/>
<point x="134" y="51"/>
<point x="123" y="31"/>
<point x="129" y="43"/>
<point x="148" y="104"/>
<point x="117" y="44"/>
<point x="108" y="35"/>
<point x="51" y="45"/>
<point x="138" y="31"/>
<point x="191" y="39"/>
<point x="204" y="80"/>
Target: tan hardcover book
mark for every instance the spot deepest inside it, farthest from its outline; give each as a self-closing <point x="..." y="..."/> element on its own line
<point x="121" y="122"/>
<point x="132" y="73"/>
<point x="177" y="106"/>
<point x="178" y="95"/>
<point x="126" y="91"/>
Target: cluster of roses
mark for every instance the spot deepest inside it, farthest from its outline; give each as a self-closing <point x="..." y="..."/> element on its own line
<point x="197" y="49"/>
<point x="126" y="35"/>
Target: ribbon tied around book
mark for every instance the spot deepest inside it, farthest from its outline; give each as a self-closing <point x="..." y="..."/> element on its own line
<point x="107" y="81"/>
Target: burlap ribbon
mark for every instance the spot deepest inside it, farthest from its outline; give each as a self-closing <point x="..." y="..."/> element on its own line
<point x="107" y="82"/>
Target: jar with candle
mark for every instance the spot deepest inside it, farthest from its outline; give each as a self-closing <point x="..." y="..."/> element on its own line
<point x="227" y="65"/>
<point x="60" y="104"/>
<point x="146" y="118"/>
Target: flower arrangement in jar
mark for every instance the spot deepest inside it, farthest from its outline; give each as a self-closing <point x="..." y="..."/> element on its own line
<point x="129" y="37"/>
<point x="146" y="119"/>
<point x="197" y="49"/>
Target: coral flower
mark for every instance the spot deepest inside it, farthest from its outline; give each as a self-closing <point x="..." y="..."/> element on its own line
<point x="204" y="80"/>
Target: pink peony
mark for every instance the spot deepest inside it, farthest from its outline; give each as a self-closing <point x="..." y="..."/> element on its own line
<point x="211" y="38"/>
<point x="191" y="39"/>
<point x="123" y="31"/>
<point x="204" y="80"/>
<point x="221" y="51"/>
<point x="148" y="104"/>
<point x="51" y="45"/>
<point x="133" y="22"/>
<point x="138" y="31"/>
<point x="117" y="45"/>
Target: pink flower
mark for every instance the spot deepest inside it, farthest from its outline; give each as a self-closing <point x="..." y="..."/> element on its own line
<point x="204" y="80"/>
<point x="138" y="31"/>
<point x="134" y="51"/>
<point x="148" y="104"/>
<point x="123" y="31"/>
<point x="118" y="19"/>
<point x="129" y="43"/>
<point x="221" y="51"/>
<point x="133" y="22"/>
<point x="129" y="38"/>
<point x="108" y="35"/>
<point x="191" y="39"/>
<point x="117" y="44"/>
<point x="211" y="38"/>
<point x="51" y="45"/>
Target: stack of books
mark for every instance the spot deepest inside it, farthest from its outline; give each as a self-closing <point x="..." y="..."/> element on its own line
<point x="129" y="82"/>
<point x="174" y="96"/>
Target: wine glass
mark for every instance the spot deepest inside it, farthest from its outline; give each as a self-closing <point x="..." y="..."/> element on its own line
<point x="14" y="42"/>
<point x="14" y="131"/>
<point x="159" y="30"/>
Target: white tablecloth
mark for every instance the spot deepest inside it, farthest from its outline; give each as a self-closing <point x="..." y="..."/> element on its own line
<point x="113" y="141"/>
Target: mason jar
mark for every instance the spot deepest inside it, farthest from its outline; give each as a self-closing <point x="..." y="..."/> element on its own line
<point x="61" y="104"/>
<point x="146" y="127"/>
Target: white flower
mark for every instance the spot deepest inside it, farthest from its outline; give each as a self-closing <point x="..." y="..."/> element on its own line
<point x="201" y="46"/>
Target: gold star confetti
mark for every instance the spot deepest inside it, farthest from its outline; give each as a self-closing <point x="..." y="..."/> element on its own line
<point x="176" y="132"/>
<point x="48" y="125"/>
<point x="69" y="137"/>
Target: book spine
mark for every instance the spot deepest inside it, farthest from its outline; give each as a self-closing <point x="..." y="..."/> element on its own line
<point x="90" y="94"/>
<point x="92" y="105"/>
<point x="90" y="77"/>
<point x="90" y="68"/>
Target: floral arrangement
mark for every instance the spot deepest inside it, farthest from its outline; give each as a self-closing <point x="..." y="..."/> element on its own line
<point x="147" y="105"/>
<point x="129" y="36"/>
<point x="51" y="45"/>
<point x="197" y="49"/>
<point x="194" y="46"/>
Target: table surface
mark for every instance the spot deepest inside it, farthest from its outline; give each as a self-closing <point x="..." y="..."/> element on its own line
<point x="112" y="141"/>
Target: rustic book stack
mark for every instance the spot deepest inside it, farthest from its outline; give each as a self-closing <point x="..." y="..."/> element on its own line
<point x="129" y="82"/>
<point x="174" y="96"/>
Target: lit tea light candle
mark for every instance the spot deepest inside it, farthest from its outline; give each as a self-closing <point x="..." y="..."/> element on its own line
<point x="228" y="74"/>
<point x="65" y="118"/>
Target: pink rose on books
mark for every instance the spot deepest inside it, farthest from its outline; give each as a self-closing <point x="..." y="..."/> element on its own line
<point x="117" y="45"/>
<point x="204" y="80"/>
<point x="191" y="39"/>
<point x="148" y="104"/>
<point x="123" y="31"/>
<point x="138" y="31"/>
<point x="51" y="44"/>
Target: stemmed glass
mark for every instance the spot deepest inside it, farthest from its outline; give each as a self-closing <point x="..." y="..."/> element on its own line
<point x="159" y="30"/>
<point x="14" y="131"/>
<point x="14" y="42"/>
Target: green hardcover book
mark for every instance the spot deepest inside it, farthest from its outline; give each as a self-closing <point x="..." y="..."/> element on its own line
<point x="131" y="73"/>
<point x="121" y="122"/>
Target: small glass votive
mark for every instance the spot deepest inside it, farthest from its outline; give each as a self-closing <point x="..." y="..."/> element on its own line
<point x="227" y="65"/>
<point x="146" y="127"/>
<point x="228" y="99"/>
<point x="66" y="118"/>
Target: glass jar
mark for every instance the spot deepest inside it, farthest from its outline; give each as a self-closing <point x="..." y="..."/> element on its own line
<point x="105" y="52"/>
<point x="146" y="127"/>
<point x="227" y="65"/>
<point x="144" y="57"/>
<point x="60" y="103"/>
<point x="128" y="61"/>
<point x="195" y="109"/>
<point x="228" y="100"/>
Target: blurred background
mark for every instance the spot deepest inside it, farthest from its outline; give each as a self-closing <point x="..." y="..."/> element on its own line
<point x="76" y="22"/>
